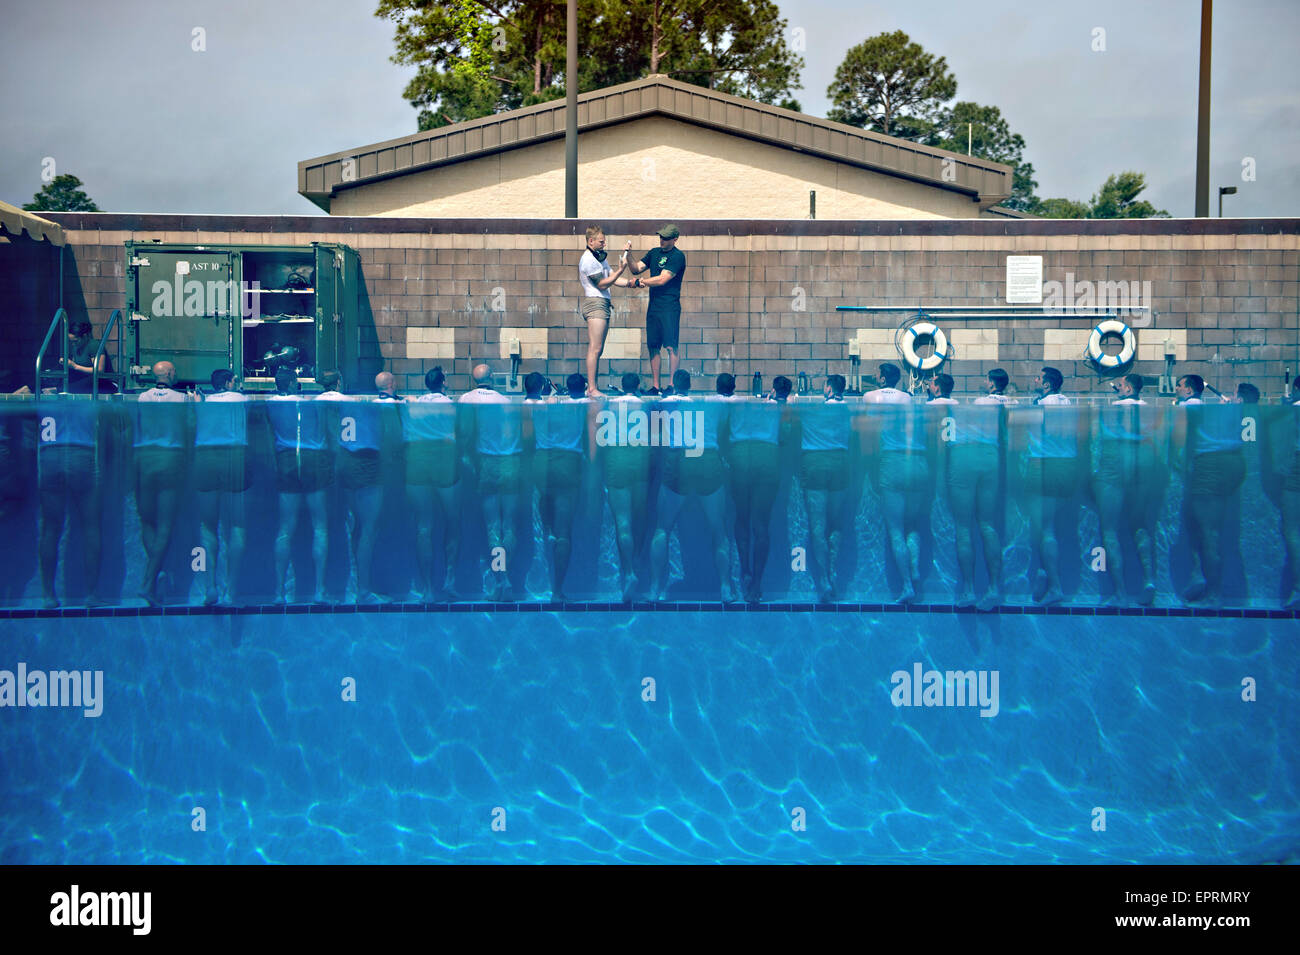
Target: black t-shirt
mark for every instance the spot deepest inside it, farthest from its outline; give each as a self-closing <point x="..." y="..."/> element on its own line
<point x="675" y="262"/>
<point x="83" y="353"/>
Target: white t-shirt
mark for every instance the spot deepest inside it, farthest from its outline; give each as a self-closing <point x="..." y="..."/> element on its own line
<point x="590" y="271"/>
<point x="421" y="423"/>
<point x="221" y="427"/>
<point x="160" y="430"/>
<point x="1052" y="435"/>
<point x="942" y="401"/>
<point x="331" y="395"/>
<point x="888" y="396"/>
<point x="499" y="429"/>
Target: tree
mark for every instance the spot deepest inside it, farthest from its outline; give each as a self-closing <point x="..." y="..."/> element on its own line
<point x="478" y="57"/>
<point x="741" y="49"/>
<point x="890" y="85"/>
<point x="63" y="194"/>
<point x="1059" y="209"/>
<point x="989" y="137"/>
<point x="1116" y="200"/>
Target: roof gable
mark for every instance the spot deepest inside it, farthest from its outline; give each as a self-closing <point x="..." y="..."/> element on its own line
<point x="985" y="182"/>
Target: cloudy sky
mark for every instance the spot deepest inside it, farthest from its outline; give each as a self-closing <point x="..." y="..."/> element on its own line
<point x="113" y="92"/>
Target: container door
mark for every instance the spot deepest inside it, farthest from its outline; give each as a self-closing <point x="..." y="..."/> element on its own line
<point x="183" y="307"/>
<point x="329" y="277"/>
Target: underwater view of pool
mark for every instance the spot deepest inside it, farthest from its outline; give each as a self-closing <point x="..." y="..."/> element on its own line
<point x="396" y="728"/>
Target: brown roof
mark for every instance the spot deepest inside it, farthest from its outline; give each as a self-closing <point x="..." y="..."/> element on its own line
<point x="15" y="221"/>
<point x="1002" y="212"/>
<point x="985" y="182"/>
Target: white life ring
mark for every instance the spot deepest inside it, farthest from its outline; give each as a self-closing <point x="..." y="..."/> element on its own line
<point x="1112" y="326"/>
<point x="935" y="334"/>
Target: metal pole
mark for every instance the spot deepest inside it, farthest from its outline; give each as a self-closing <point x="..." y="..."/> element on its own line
<point x="1203" y="116"/>
<point x="571" y="116"/>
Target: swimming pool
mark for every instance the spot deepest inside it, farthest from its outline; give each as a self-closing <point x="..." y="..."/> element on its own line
<point x="525" y="731"/>
<point x="756" y="715"/>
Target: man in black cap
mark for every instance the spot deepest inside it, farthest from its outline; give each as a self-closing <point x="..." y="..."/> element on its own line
<point x="666" y="265"/>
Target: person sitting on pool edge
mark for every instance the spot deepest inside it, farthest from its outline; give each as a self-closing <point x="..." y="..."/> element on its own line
<point x="494" y="437"/>
<point x="902" y="475"/>
<point x="1129" y="484"/>
<point x="304" y="471"/>
<point x="562" y="428"/>
<point x="756" y="430"/>
<point x="1214" y="465"/>
<point x="687" y="475"/>
<point x="826" y="436"/>
<point x="163" y="436"/>
<point x="974" y="457"/>
<point x="429" y="436"/>
<point x="1049" y="471"/>
<point x="222" y="474"/>
<point x="626" y="471"/>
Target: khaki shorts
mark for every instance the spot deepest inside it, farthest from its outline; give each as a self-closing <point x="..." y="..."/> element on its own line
<point x="1217" y="473"/>
<point x="499" y="473"/>
<point x="1051" y="477"/>
<point x="431" y="463"/>
<point x="557" y="469"/>
<point x="824" y="470"/>
<point x="904" y="471"/>
<point x="756" y="462"/>
<point x="626" y="466"/>
<point x="702" y="474"/>
<point x="594" y="307"/>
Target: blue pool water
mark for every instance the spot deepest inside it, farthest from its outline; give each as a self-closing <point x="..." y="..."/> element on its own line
<point x="532" y="715"/>
<point x="756" y="714"/>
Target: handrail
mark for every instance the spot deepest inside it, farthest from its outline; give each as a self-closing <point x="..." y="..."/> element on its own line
<point x="94" y="365"/>
<point x="59" y="316"/>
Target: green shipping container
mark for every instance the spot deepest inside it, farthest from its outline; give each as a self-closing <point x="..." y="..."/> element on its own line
<point x="251" y="309"/>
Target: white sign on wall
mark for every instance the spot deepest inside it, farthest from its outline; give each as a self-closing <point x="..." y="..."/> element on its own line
<point x="1024" y="280"/>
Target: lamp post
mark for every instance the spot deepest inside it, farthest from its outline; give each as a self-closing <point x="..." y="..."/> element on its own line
<point x="571" y="114"/>
<point x="1203" y="116"/>
<point x="1225" y="191"/>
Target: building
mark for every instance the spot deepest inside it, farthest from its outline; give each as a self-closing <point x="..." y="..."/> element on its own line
<point x="656" y="148"/>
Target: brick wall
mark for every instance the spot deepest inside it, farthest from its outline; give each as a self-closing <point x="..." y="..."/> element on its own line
<point x="1229" y="288"/>
<point x="29" y="295"/>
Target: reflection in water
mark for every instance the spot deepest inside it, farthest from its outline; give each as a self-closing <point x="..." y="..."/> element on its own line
<point x="298" y="499"/>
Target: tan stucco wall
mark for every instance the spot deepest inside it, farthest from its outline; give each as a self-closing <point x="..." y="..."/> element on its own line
<point x="655" y="168"/>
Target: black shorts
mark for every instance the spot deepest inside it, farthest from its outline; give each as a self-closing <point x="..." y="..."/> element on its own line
<point x="1217" y="473"/>
<point x="662" y="323"/>
<point x="222" y="469"/>
<point x="303" y="472"/>
<point x="159" y="469"/>
<point x="68" y="469"/>
<point x="357" y="469"/>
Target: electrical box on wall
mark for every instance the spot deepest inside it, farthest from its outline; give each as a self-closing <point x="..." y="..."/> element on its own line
<point x="250" y="309"/>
